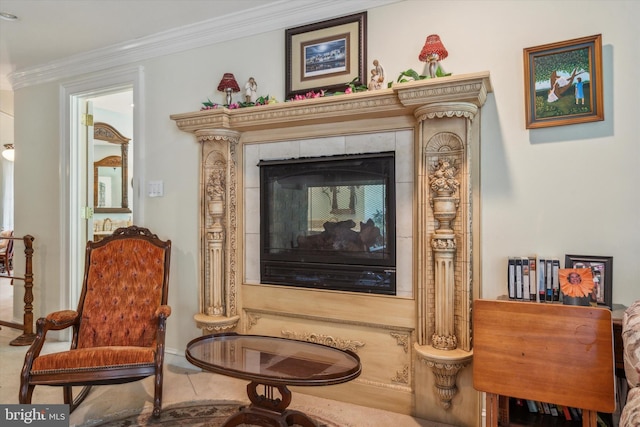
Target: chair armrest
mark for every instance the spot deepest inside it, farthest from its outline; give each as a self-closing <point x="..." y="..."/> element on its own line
<point x="163" y="311"/>
<point x="54" y="321"/>
<point x="60" y="320"/>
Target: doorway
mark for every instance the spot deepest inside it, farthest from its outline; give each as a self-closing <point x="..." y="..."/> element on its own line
<point x="110" y="164"/>
<point x="6" y="206"/>
<point x="114" y="98"/>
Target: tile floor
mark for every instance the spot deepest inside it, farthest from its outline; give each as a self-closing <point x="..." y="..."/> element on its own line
<point x="181" y="384"/>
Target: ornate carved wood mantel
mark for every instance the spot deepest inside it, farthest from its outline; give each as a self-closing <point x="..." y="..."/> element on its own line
<point x="443" y="116"/>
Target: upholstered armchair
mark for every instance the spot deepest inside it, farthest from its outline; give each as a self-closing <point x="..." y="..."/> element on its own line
<point x="6" y="251"/>
<point x="119" y="325"/>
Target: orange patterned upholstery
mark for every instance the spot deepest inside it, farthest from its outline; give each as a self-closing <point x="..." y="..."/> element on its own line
<point x="92" y="358"/>
<point x="124" y="290"/>
<point x="630" y="416"/>
<point x="119" y="325"/>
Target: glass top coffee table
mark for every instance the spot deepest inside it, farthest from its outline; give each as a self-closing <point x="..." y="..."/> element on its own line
<point x="272" y="363"/>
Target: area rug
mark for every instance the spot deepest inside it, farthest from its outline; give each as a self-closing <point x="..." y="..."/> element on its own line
<point x="187" y="414"/>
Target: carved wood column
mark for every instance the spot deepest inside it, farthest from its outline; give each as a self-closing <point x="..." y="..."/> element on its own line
<point x="444" y="229"/>
<point x="218" y="230"/>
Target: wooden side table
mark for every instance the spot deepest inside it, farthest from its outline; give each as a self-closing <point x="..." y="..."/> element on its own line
<point x="618" y="348"/>
<point x="552" y="353"/>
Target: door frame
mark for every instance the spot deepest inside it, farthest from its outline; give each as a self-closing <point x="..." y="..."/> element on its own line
<point x="72" y="95"/>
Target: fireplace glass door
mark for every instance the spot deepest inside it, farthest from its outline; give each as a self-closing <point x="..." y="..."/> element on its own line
<point x="329" y="223"/>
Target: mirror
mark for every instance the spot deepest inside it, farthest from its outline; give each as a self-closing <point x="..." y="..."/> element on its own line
<point x="110" y="175"/>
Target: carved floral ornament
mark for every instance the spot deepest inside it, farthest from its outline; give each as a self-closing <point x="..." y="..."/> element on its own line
<point x="477" y="91"/>
<point x="219" y="135"/>
<point x="443" y="179"/>
<point x="443" y="243"/>
<point x="402" y="377"/>
<point x="402" y="340"/>
<point x="216" y="184"/>
<point x="447" y="342"/>
<point x="341" y="343"/>
<point x="445" y="374"/>
<point x="105" y="133"/>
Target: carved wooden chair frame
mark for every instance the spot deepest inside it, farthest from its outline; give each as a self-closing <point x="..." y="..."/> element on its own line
<point x="119" y="325"/>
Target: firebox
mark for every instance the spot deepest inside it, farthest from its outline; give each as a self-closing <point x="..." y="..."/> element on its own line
<point x="329" y="223"/>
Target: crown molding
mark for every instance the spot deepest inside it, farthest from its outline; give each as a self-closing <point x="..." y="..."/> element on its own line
<point x="280" y="15"/>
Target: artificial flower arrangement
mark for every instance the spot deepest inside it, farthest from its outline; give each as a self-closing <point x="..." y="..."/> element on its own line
<point x="263" y="100"/>
<point x="351" y="87"/>
<point x="411" y="75"/>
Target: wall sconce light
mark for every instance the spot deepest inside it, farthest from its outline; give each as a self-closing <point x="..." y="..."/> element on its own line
<point x="433" y="52"/>
<point x="228" y="84"/>
<point x="8" y="152"/>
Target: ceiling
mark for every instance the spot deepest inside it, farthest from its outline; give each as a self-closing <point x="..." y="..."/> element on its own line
<point x="50" y="30"/>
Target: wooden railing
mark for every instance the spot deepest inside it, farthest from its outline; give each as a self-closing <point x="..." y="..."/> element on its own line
<point x="28" y="334"/>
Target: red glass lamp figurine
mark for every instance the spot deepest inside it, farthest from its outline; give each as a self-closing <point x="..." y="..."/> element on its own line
<point x="228" y="84"/>
<point x="433" y="52"/>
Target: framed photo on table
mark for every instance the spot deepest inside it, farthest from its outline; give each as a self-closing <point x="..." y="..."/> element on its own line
<point x="602" y="269"/>
<point x="326" y="55"/>
<point x="563" y="82"/>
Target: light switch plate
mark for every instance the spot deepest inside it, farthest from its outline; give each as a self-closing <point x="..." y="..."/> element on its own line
<point x="156" y="189"/>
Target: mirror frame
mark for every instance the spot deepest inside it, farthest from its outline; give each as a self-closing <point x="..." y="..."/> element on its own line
<point x="106" y="132"/>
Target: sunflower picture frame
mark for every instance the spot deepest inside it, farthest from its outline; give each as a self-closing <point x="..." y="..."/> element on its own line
<point x="577" y="286"/>
<point x="602" y="272"/>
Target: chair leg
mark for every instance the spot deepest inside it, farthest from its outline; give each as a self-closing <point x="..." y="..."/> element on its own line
<point x="26" y="392"/>
<point x="157" y="398"/>
<point x="68" y="396"/>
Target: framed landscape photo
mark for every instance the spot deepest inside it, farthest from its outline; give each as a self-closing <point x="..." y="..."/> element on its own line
<point x="326" y="55"/>
<point x="602" y="270"/>
<point x="563" y="83"/>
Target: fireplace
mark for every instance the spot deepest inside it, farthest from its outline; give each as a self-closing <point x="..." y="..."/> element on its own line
<point x="329" y="223"/>
<point x="437" y="268"/>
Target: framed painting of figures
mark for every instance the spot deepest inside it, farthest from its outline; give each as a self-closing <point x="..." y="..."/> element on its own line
<point x="563" y="83"/>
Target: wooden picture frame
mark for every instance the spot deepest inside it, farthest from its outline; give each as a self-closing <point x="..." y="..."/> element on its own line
<point x="602" y="268"/>
<point x="326" y="55"/>
<point x="563" y="83"/>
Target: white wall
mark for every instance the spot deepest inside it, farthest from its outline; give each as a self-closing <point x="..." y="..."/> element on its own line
<point x="554" y="191"/>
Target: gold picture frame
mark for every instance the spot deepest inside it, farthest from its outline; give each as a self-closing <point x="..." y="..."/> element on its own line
<point x="326" y="55"/>
<point x="563" y="82"/>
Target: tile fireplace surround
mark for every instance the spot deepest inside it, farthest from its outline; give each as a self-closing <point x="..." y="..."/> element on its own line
<point x="415" y="347"/>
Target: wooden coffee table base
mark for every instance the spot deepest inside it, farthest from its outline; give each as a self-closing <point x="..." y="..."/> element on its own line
<point x="268" y="410"/>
